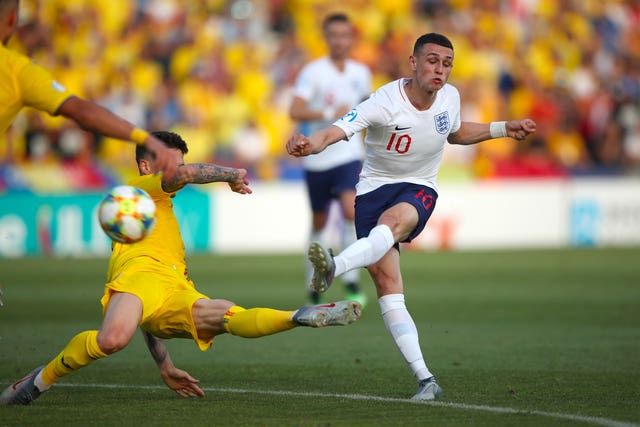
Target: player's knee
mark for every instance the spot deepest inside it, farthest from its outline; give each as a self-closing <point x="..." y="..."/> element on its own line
<point x="113" y="341"/>
<point x="209" y="316"/>
<point x="391" y="220"/>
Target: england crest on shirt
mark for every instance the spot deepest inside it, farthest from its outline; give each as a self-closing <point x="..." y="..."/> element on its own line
<point x="442" y="122"/>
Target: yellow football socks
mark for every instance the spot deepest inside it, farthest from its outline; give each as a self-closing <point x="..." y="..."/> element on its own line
<point x="81" y="351"/>
<point x="257" y="322"/>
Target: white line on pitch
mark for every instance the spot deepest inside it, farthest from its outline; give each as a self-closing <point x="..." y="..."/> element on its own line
<point x="495" y="409"/>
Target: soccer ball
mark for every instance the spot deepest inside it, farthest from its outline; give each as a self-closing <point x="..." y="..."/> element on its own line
<point x="127" y="214"/>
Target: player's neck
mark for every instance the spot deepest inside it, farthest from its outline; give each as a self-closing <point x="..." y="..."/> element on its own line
<point x="339" y="63"/>
<point x="422" y="100"/>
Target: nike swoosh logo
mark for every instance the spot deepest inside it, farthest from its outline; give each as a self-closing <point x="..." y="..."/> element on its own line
<point x="405" y="128"/>
<point x="329" y="305"/>
<point x="65" y="364"/>
<point x="15" y="385"/>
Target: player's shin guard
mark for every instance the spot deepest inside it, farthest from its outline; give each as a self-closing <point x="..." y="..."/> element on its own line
<point x="403" y="330"/>
<point x="257" y="322"/>
<point x="81" y="351"/>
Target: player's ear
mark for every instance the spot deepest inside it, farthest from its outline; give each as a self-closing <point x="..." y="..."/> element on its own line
<point x="11" y="22"/>
<point x="145" y="167"/>
<point x="412" y="63"/>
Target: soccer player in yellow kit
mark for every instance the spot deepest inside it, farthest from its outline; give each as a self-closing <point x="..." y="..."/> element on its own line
<point x="149" y="287"/>
<point x="24" y="83"/>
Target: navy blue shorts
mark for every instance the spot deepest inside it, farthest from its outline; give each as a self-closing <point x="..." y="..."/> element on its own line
<point x="324" y="186"/>
<point x="371" y="205"/>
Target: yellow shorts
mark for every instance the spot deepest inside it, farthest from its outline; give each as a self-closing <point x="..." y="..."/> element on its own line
<point x="167" y="299"/>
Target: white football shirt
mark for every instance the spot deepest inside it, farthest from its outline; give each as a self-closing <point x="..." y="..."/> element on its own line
<point x="323" y="86"/>
<point x="402" y="144"/>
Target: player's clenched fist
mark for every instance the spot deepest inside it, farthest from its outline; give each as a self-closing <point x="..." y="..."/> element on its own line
<point x="519" y="129"/>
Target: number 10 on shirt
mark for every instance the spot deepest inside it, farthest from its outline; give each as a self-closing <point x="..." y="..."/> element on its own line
<point x="400" y="144"/>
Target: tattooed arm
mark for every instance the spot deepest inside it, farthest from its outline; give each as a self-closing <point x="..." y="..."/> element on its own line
<point x="204" y="173"/>
<point x="176" y="379"/>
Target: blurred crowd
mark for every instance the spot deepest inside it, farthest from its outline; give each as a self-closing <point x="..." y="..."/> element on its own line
<point x="220" y="73"/>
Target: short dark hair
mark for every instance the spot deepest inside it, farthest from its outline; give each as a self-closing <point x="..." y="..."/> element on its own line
<point x="434" y="38"/>
<point x="170" y="139"/>
<point x="335" y="17"/>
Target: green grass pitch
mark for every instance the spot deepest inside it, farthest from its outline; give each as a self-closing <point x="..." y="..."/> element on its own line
<point x="526" y="338"/>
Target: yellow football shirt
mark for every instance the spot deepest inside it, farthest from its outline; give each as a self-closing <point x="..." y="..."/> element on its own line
<point x="24" y="83"/>
<point x="164" y="245"/>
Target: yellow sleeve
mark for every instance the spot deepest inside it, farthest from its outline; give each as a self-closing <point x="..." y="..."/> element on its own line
<point x="39" y="90"/>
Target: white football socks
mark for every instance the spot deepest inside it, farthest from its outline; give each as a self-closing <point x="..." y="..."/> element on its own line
<point x="349" y="238"/>
<point x="403" y="331"/>
<point x="365" y="251"/>
<point x="39" y="383"/>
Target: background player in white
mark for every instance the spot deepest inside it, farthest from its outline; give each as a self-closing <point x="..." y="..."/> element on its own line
<point x="408" y="122"/>
<point x="325" y="90"/>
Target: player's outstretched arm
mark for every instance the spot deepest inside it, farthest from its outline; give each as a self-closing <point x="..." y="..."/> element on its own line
<point x="472" y="133"/>
<point x="92" y="117"/>
<point x="176" y="379"/>
<point x="299" y="145"/>
<point x="204" y="173"/>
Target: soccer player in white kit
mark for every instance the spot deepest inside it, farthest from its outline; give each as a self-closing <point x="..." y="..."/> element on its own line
<point x="408" y="122"/>
<point x="325" y="90"/>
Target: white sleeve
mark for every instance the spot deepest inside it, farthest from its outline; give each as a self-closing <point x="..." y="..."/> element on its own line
<point x="456" y="120"/>
<point x="365" y="115"/>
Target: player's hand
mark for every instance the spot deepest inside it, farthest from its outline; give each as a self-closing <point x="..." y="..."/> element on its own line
<point x="519" y="129"/>
<point x="164" y="160"/>
<point x="298" y="145"/>
<point x="241" y="184"/>
<point x="182" y="383"/>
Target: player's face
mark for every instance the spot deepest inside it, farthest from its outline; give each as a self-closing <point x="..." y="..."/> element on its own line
<point x="432" y="66"/>
<point x="339" y="37"/>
